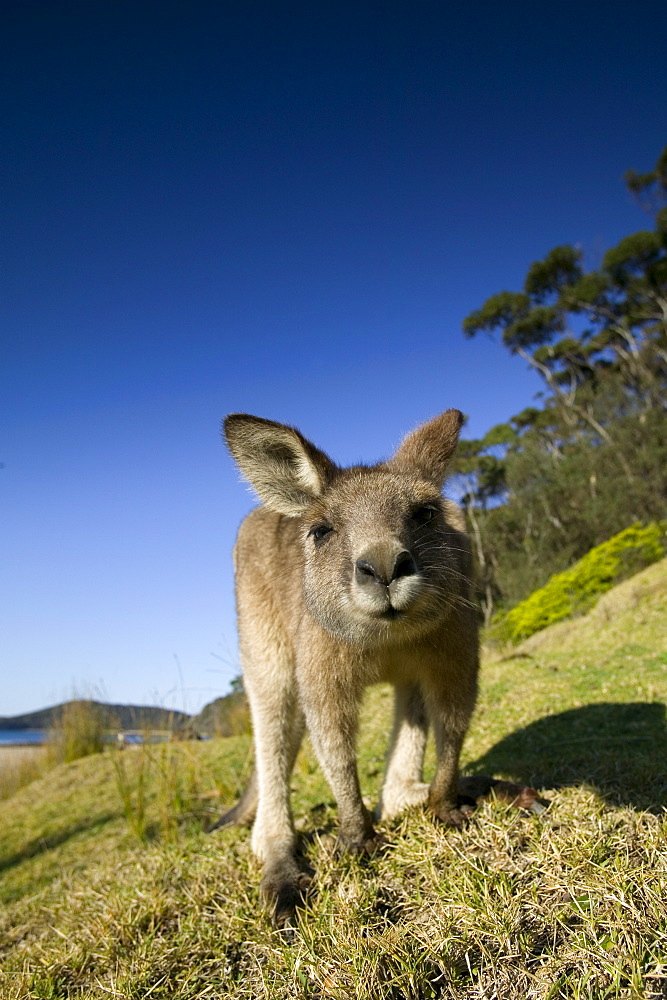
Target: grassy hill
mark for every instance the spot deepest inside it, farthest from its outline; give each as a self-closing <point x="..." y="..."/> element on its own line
<point x="122" y="716"/>
<point x="112" y="889"/>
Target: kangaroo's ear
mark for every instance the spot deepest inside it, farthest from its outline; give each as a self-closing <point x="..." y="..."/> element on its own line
<point x="429" y="450"/>
<point x="285" y="469"/>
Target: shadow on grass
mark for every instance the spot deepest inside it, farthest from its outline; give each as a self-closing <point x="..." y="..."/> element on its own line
<point x="619" y="749"/>
<point x="42" y="844"/>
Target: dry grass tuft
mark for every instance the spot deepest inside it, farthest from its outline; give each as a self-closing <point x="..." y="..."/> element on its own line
<point x="19" y="765"/>
<point x="78" y="731"/>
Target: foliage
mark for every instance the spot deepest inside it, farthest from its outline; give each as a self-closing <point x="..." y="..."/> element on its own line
<point x="576" y="589"/>
<point x="225" y="716"/>
<point x="132" y="788"/>
<point x="559" y="478"/>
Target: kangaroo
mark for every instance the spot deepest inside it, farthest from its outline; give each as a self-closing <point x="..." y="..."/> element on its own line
<point x="346" y="577"/>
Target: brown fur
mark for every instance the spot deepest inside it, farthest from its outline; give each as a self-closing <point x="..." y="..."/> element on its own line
<point x="347" y="577"/>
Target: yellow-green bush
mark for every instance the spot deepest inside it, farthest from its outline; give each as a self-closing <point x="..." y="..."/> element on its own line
<point x="576" y="589"/>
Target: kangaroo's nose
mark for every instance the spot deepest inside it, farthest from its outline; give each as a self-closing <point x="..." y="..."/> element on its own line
<point x="381" y="568"/>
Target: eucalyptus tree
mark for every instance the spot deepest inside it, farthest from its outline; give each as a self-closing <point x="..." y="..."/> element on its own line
<point x="598" y="340"/>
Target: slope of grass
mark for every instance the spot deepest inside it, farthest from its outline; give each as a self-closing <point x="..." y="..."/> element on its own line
<point x="567" y="904"/>
<point x="577" y="589"/>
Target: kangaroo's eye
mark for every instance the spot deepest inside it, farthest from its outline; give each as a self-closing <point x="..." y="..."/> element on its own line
<point x="320" y="531"/>
<point x="424" y="514"/>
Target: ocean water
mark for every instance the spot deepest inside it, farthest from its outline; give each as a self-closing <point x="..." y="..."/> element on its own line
<point x="21" y="737"/>
<point x="33" y="737"/>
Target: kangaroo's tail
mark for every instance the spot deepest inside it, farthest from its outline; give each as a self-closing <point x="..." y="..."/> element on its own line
<point x="243" y="813"/>
<point x="474" y="788"/>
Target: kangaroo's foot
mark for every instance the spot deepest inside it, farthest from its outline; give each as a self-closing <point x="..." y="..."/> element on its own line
<point x="284" y="889"/>
<point x="397" y="798"/>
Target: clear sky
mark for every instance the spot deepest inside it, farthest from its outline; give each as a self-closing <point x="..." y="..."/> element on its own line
<point x="282" y="208"/>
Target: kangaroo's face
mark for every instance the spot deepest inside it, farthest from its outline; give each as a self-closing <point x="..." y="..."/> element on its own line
<point x="379" y="559"/>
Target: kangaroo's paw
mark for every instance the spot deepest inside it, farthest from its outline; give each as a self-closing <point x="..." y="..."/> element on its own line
<point x="397" y="799"/>
<point x="456" y="816"/>
<point x="284" y="888"/>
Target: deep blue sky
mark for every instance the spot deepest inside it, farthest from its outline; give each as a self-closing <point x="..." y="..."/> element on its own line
<point x="284" y="208"/>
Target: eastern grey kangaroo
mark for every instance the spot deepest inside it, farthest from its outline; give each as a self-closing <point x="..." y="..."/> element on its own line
<point x="347" y="577"/>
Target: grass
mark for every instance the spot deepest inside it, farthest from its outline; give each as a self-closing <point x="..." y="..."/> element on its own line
<point x="576" y="590"/>
<point x="78" y="731"/>
<point x="567" y="904"/>
<point x="19" y="765"/>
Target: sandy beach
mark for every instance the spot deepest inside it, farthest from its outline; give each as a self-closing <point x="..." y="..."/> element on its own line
<point x="12" y="756"/>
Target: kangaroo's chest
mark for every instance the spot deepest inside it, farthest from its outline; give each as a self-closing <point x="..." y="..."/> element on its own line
<point x="404" y="665"/>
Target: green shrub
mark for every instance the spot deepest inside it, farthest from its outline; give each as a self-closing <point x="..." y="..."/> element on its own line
<point x="576" y="589"/>
<point x="226" y="716"/>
